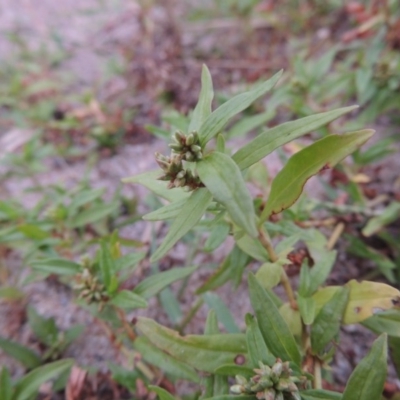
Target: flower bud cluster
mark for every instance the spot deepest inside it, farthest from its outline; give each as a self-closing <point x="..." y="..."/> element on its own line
<point x="184" y="148"/>
<point x="188" y="147"/>
<point x="90" y="289"/>
<point x="270" y="383"/>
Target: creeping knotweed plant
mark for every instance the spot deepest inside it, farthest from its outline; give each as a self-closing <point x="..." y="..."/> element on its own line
<point x="298" y="331"/>
<point x="271" y="383"/>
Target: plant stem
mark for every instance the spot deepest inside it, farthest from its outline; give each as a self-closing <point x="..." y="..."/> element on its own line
<point x="317" y="374"/>
<point x="265" y="240"/>
<point x="339" y="228"/>
<point x="129" y="331"/>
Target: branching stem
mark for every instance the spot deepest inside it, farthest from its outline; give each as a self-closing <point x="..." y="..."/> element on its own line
<point x="265" y="240"/>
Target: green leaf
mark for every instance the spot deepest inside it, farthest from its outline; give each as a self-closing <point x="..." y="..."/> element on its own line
<point x="233" y="370"/>
<point x="367" y="380"/>
<point x="389" y="215"/>
<point x="326" y="152"/>
<point x="292" y="318"/>
<point x="218" y="234"/>
<point x="222" y="311"/>
<point x="161" y="393"/>
<point x="128" y="300"/>
<point x="168" y="211"/>
<point x="312" y="278"/>
<point x="130" y="261"/>
<point x="320" y="394"/>
<point x="150" y="181"/>
<point x="92" y="215"/>
<point x="327" y="323"/>
<point x="203" y="107"/>
<point x="394" y="345"/>
<point x="25" y="356"/>
<point x="247" y="124"/>
<point x="5" y="384"/>
<point x="251" y="246"/>
<point x="223" y="179"/>
<point x="307" y="309"/>
<point x="83" y="197"/>
<point x="190" y="214"/>
<point x="231" y="268"/>
<point x="274" y="329"/>
<point x="162" y="360"/>
<point x="256" y="346"/>
<point x="384" y="322"/>
<point x="213" y="385"/>
<point x="203" y="352"/>
<point x="30" y="383"/>
<point x="58" y="266"/>
<point x="269" y="140"/>
<point x="107" y="267"/>
<point x="216" y="121"/>
<point x="269" y="274"/>
<point x="45" y="329"/>
<point x="153" y="284"/>
<point x="33" y="231"/>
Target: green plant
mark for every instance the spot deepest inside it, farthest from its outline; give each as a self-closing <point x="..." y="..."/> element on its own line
<point x="286" y="345"/>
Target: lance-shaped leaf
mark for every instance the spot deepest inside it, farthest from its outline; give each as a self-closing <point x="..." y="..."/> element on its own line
<point x="92" y="215"/>
<point x="223" y="179"/>
<point x="57" y="266"/>
<point x="24" y="355"/>
<point x="190" y="214"/>
<point x="162" y="360"/>
<point x="128" y="300"/>
<point x="203" y="107"/>
<point x="168" y="211"/>
<point x="273" y="327"/>
<point x="149" y="180"/>
<point x="325" y="153"/>
<point x="162" y="393"/>
<point x="203" y="352"/>
<point x="30" y="383"/>
<point x="231" y="268"/>
<point x="212" y="384"/>
<point x="386" y="321"/>
<point x="257" y="348"/>
<point x="269" y="140"/>
<point x="5" y="384"/>
<point x="216" y="121"/>
<point x="154" y="284"/>
<point x="320" y="394"/>
<point x="367" y="380"/>
<point x="327" y="323"/>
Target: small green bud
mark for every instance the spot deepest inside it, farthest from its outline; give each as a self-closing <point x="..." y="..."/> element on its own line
<point x="181" y="174"/>
<point x="189" y="156"/>
<point x="199" y="156"/>
<point x="195" y="148"/>
<point x="175" y="147"/>
<point x="241" y="380"/>
<point x="237" y="389"/>
<point x="178" y="137"/>
<point x="189" y="139"/>
<point x="277" y="369"/>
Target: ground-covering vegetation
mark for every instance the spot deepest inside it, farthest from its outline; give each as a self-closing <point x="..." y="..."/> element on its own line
<point x="265" y="249"/>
